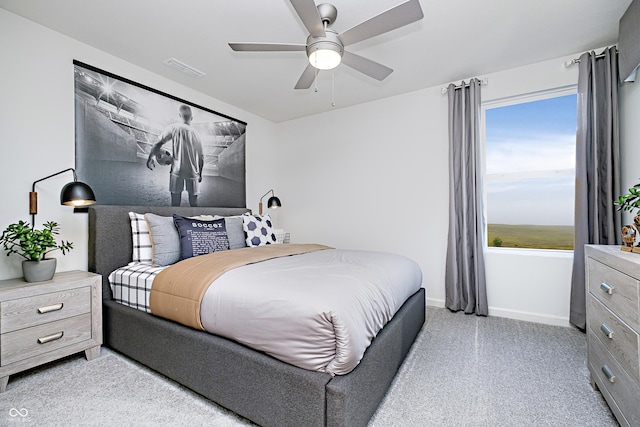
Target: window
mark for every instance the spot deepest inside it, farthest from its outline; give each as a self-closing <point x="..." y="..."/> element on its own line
<point x="530" y="171"/>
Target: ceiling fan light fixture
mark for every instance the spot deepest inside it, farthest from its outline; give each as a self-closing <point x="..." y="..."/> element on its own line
<point x="325" y="53"/>
<point x="325" y="59"/>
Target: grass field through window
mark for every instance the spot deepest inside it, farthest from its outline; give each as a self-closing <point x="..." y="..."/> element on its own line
<point x="530" y="236"/>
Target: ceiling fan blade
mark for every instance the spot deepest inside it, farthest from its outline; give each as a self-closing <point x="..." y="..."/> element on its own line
<point x="266" y="47"/>
<point x="366" y="66"/>
<point x="306" y="79"/>
<point x="310" y="17"/>
<point x="396" y="17"/>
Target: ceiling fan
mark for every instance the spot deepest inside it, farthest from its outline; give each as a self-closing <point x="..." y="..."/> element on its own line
<point x="325" y="47"/>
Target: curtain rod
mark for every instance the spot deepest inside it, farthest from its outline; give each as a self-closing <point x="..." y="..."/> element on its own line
<point x="483" y="82"/>
<point x="577" y="60"/>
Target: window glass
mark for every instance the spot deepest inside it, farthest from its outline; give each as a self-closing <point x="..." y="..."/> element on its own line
<point x="530" y="173"/>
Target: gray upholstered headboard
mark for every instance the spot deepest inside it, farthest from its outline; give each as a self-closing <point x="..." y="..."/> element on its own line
<point x="110" y="244"/>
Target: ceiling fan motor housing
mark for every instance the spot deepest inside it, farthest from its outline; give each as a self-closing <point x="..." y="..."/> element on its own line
<point x="328" y="13"/>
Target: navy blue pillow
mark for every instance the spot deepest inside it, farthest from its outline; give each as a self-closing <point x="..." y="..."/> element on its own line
<point x="199" y="237"/>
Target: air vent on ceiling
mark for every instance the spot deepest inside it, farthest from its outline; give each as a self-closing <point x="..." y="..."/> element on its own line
<point x="187" y="69"/>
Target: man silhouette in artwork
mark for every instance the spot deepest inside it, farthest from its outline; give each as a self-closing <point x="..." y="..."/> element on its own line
<point x="188" y="158"/>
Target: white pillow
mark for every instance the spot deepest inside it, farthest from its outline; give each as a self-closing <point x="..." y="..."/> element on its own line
<point x="142" y="249"/>
<point x="204" y="217"/>
<point x="258" y="230"/>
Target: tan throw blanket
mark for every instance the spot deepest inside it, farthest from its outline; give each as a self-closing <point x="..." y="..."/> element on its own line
<point x="177" y="291"/>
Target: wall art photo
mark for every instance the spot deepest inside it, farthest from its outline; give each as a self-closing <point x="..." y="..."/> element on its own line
<point x="138" y="146"/>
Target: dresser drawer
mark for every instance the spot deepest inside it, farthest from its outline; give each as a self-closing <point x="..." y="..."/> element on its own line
<point x="31" y="311"/>
<point x="615" y="335"/>
<point x="616" y="290"/>
<point x="621" y="387"/>
<point x="25" y="343"/>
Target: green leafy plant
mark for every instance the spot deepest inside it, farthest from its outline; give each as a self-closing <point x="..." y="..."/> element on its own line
<point x="33" y="244"/>
<point x="629" y="201"/>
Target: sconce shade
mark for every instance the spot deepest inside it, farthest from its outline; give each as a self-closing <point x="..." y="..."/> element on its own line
<point x="273" y="202"/>
<point x="77" y="194"/>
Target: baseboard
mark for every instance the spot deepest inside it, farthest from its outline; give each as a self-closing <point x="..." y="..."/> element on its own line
<point x="546" y="319"/>
<point x="438" y="303"/>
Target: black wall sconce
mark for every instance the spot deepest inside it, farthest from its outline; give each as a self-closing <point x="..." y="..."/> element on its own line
<point x="75" y="194"/>
<point x="272" y="203"/>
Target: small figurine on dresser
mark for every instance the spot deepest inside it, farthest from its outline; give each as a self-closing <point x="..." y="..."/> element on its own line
<point x="629" y="233"/>
<point x="628" y="237"/>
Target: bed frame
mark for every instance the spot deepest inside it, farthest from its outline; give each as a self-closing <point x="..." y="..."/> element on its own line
<point x="252" y="384"/>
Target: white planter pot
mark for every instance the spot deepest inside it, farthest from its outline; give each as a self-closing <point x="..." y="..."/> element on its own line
<point x="39" y="271"/>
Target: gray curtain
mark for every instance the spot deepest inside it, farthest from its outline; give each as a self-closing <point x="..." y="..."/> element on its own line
<point x="597" y="167"/>
<point x="465" y="282"/>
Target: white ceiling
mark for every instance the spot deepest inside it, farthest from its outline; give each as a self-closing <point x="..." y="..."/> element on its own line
<point x="456" y="39"/>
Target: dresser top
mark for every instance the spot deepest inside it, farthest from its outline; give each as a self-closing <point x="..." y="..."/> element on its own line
<point x="63" y="278"/>
<point x="614" y="256"/>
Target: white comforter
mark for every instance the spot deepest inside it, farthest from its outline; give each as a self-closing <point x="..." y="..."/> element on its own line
<point x="318" y="311"/>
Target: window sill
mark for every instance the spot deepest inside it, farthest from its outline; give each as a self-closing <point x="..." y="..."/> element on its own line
<point x="549" y="253"/>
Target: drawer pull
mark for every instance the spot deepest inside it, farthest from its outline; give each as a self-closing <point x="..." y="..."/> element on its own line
<point x="608" y="289"/>
<point x="54" y="337"/>
<point x="606" y="330"/>
<point x="50" y="308"/>
<point x="609" y="374"/>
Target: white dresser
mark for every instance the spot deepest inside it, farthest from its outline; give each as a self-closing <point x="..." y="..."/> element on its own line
<point x="613" y="327"/>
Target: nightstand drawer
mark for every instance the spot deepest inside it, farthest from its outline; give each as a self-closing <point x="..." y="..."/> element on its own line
<point x="615" y="380"/>
<point x="25" y="343"/>
<point x="615" y="335"/>
<point x="31" y="311"/>
<point x="616" y="290"/>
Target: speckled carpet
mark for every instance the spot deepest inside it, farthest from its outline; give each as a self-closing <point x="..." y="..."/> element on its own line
<point x="462" y="371"/>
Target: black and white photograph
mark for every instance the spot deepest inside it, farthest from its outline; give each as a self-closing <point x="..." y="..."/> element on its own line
<point x="139" y="146"/>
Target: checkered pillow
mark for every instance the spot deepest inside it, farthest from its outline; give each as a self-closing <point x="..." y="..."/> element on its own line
<point x="142" y="249"/>
<point x="258" y="230"/>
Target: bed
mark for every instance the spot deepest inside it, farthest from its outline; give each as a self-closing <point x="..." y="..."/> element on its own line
<point x="250" y="383"/>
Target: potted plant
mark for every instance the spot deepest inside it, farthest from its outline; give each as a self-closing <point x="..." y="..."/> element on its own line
<point x="33" y="245"/>
<point x="630" y="202"/>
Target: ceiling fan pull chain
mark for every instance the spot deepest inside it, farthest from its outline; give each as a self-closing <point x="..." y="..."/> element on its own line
<point x="315" y="81"/>
<point x="333" y="87"/>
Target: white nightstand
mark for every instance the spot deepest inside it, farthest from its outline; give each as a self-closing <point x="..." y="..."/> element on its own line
<point x="44" y="321"/>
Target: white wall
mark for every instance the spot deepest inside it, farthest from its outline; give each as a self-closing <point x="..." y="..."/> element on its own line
<point x="374" y="176"/>
<point x="37" y="131"/>
<point x="629" y="138"/>
<point x="370" y="177"/>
